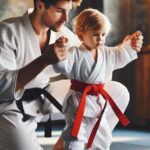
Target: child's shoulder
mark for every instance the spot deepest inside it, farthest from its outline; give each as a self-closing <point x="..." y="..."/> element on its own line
<point x="76" y="51"/>
<point x="72" y="50"/>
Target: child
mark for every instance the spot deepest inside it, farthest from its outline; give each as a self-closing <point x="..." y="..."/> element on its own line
<point x="94" y="103"/>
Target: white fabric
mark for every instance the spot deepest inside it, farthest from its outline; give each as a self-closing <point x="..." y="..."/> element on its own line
<point x="103" y="137"/>
<point x="81" y="66"/>
<point x="17" y="135"/>
<point x="18" y="47"/>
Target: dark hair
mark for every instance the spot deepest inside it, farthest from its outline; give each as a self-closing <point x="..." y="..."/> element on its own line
<point x="54" y="2"/>
<point x="48" y="2"/>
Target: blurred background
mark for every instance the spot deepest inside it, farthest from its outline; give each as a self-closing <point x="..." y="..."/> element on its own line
<point x="126" y="16"/>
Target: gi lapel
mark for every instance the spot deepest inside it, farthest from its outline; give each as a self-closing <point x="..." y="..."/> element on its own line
<point x="98" y="70"/>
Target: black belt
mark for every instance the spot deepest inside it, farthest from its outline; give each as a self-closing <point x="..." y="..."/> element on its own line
<point x="35" y="93"/>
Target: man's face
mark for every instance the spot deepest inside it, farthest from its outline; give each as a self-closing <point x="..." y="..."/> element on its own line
<point x="55" y="16"/>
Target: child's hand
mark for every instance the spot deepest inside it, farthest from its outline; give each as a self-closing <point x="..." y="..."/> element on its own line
<point x="56" y="52"/>
<point x="61" y="47"/>
<point x="61" y="42"/>
<point x="135" y="39"/>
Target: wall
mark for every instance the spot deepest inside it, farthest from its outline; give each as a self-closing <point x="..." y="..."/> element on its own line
<point x="9" y="8"/>
<point x="119" y="14"/>
<point x="128" y="16"/>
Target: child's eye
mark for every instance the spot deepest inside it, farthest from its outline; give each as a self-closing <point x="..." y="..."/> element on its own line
<point x="96" y="34"/>
<point x="103" y="34"/>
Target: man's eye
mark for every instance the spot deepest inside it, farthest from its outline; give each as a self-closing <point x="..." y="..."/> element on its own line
<point x="59" y="10"/>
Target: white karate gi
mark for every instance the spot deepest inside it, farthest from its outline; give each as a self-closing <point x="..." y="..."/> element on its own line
<point x="18" y="47"/>
<point x="81" y="66"/>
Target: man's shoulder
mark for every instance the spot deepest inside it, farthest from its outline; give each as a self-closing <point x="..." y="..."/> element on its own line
<point x="10" y="23"/>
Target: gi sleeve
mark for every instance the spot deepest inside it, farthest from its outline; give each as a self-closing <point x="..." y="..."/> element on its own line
<point x="8" y="65"/>
<point x="65" y="67"/>
<point x="120" y="56"/>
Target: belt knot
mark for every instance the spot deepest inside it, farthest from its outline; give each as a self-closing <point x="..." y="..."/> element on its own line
<point x="96" y="89"/>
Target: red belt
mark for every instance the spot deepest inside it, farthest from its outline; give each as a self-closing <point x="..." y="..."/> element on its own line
<point x="93" y="89"/>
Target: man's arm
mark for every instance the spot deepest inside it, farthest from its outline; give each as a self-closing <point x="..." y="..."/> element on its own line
<point x="52" y="55"/>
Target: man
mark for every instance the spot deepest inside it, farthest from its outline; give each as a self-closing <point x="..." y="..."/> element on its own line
<point x="25" y="62"/>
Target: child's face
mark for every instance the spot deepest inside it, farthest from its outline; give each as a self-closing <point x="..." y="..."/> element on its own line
<point x="94" y="39"/>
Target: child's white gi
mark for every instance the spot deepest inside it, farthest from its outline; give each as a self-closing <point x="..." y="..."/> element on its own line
<point x="81" y="66"/>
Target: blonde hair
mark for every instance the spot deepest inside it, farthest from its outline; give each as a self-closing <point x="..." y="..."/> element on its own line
<point x="90" y="19"/>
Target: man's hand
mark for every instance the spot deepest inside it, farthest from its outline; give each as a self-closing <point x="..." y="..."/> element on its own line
<point x="135" y="40"/>
<point x="56" y="52"/>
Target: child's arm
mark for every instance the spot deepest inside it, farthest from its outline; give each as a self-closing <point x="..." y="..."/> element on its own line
<point x="125" y="52"/>
<point x="65" y="56"/>
<point x="61" y="45"/>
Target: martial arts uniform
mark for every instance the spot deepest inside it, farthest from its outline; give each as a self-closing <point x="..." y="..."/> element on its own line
<point x="81" y="66"/>
<point x="18" y="47"/>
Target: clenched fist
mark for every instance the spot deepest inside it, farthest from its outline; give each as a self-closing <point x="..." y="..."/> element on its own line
<point x="57" y="51"/>
<point x="135" y="40"/>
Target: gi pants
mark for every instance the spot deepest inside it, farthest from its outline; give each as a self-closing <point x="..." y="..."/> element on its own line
<point x="103" y="138"/>
<point x="16" y="134"/>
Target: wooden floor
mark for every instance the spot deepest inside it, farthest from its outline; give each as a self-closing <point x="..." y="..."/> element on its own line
<point x="123" y="139"/>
